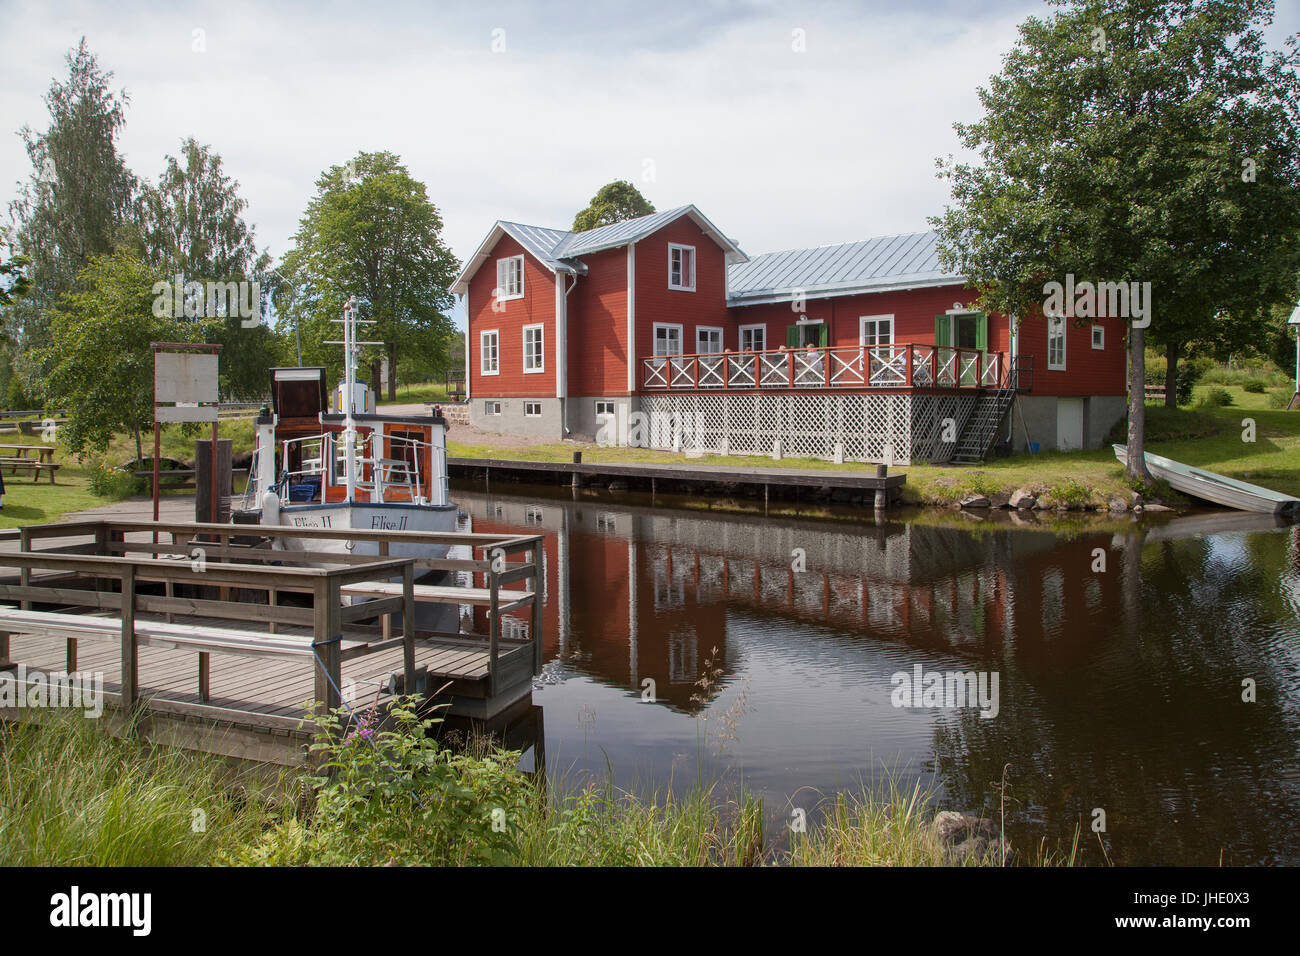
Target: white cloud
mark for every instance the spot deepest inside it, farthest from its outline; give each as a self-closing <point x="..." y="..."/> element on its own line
<point x="780" y="149"/>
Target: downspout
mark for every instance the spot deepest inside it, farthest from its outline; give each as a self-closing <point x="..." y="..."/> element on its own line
<point x="464" y="297"/>
<point x="631" y="321"/>
<point x="561" y="330"/>
<point x="562" y="346"/>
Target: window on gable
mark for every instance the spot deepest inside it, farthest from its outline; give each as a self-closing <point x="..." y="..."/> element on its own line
<point x="510" y="278"/>
<point x="490" y="352"/>
<point x="681" y="267"/>
<point x="1056" y="343"/>
<point x="534" y="352"/>
<point x="1098" y="337"/>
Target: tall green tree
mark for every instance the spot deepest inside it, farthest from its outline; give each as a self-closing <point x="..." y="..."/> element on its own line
<point x="80" y="194"/>
<point x="193" y="219"/>
<point x="371" y="232"/>
<point x="1135" y="141"/>
<point x="614" y="202"/>
<point x="193" y="226"/>
<point x="99" y="360"/>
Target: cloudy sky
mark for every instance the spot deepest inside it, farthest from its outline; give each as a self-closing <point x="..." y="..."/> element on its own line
<point x="522" y="110"/>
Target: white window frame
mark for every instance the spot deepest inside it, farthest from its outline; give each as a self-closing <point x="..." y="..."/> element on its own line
<point x="483" y="352"/>
<point x="492" y="407"/>
<point x="1055" y="322"/>
<point x="540" y="329"/>
<point x="609" y="411"/>
<point x="536" y="414"/>
<point x="683" y="286"/>
<point x="1099" y="337"/>
<point x="761" y="329"/>
<point x="722" y="335"/>
<point x="876" y="320"/>
<point x="655" y="338"/>
<point x="503" y="267"/>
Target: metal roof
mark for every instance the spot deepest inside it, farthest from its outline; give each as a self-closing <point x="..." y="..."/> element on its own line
<point x="560" y="250"/>
<point x="541" y="242"/>
<point x="871" y="265"/>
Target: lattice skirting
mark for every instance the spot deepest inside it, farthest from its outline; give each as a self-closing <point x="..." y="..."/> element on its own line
<point x="876" y="427"/>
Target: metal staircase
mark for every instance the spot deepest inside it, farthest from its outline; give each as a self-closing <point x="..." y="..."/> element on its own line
<point x="980" y="430"/>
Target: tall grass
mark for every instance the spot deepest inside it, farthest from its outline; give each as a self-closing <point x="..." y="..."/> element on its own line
<point x="73" y="795"/>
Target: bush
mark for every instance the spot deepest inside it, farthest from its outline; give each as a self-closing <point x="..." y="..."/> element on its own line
<point x="1255" y="386"/>
<point x="1279" y="399"/>
<point x="115" y="484"/>
<point x="1216" y="398"/>
<point x="397" y="796"/>
<point x="1190" y="371"/>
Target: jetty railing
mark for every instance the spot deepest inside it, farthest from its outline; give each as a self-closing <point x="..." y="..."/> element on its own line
<point x="226" y="572"/>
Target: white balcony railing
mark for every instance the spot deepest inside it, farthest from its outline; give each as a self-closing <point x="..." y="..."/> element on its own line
<point x="839" y="367"/>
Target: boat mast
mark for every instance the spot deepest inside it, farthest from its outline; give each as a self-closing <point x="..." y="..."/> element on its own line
<point x="349" y="378"/>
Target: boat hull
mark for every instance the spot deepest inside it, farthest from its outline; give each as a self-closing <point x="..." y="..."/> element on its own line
<point x="367" y="517"/>
<point x="1218" y="489"/>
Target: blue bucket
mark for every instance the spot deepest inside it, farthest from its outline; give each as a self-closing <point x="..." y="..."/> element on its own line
<point x="1033" y="447"/>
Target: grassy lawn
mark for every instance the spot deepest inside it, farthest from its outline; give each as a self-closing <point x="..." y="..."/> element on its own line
<point x="27" y="502"/>
<point x="419" y="392"/>
<point x="1209" y="438"/>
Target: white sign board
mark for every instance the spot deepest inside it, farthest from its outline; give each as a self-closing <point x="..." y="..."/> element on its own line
<point x="184" y="377"/>
<point x="185" y="413"/>
<point x="1295" y="317"/>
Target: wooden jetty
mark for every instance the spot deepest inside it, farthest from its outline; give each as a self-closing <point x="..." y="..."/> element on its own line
<point x="884" y="487"/>
<point x="210" y="639"/>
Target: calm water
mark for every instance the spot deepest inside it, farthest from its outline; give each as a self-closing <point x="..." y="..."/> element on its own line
<point x="1118" y="689"/>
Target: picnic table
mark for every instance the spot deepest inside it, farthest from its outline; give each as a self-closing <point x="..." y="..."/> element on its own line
<point x="37" y="459"/>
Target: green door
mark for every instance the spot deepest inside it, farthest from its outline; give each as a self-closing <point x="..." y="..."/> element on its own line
<point x="943" y="330"/>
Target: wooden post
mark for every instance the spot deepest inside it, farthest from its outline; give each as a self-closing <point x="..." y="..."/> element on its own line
<point x="326" y="637"/>
<point x="577" y="460"/>
<point x="408" y="627"/>
<point x="130" y="670"/>
<point x="882" y="493"/>
<point x="385" y="623"/>
<point x="907" y="369"/>
<point x="25" y="574"/>
<point x="5" y="663"/>
<point x="535" y="582"/>
<point x="205" y="675"/>
<point x="494" y="625"/>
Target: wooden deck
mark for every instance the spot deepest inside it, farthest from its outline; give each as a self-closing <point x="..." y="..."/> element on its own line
<point x="691" y="476"/>
<point x="244" y="639"/>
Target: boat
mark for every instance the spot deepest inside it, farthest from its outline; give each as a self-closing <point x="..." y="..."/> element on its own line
<point x="343" y="465"/>
<point x="1219" y="489"/>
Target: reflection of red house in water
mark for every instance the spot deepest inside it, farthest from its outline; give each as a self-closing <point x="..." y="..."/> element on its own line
<point x="636" y="593"/>
<point x="861" y="349"/>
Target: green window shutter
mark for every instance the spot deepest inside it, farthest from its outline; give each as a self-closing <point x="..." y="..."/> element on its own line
<point x="792" y="336"/>
<point x="823" y="336"/>
<point x="942" y="330"/>
<point x="982" y="333"/>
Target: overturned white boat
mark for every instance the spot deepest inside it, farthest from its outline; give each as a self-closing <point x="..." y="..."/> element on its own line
<point x="1219" y="489"/>
<point x="348" y="467"/>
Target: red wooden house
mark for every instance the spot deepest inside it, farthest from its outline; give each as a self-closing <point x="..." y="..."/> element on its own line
<point x="863" y="351"/>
